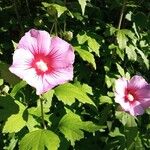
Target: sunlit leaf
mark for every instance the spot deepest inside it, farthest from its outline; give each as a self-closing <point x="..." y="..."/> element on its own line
<point x="82" y="37"/>
<point x="120" y="70"/>
<point x="16" y="121"/>
<point x="105" y="99"/>
<point x="131" y="53"/>
<point x="86" y="56"/>
<point x="116" y="132"/>
<point x="59" y="8"/>
<point x="93" y="45"/>
<point x="67" y="93"/>
<point x="47" y="100"/>
<point x="1" y="82"/>
<point x="121" y="39"/>
<point x="39" y="140"/>
<point x="82" y="4"/>
<point x="126" y="119"/>
<point x="72" y="127"/>
<point x="145" y="59"/>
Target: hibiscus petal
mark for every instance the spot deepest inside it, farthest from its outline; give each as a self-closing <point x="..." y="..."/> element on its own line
<point x="59" y="76"/>
<point x="36" y="81"/>
<point x="61" y="52"/>
<point x="143" y="95"/>
<point x="137" y="82"/>
<point x="123" y="104"/>
<point x="120" y="86"/>
<point x="28" y="42"/>
<point x="37" y="41"/>
<point x="136" y="109"/>
<point x="21" y="61"/>
<point x="44" y="42"/>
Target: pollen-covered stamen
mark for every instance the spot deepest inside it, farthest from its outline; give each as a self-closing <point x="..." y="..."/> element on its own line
<point x="130" y="97"/>
<point x="41" y="65"/>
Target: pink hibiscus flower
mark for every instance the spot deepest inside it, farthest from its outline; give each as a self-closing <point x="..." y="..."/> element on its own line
<point x="43" y="61"/>
<point x="133" y="95"/>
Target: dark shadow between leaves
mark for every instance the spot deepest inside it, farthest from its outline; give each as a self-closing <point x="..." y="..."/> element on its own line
<point x="7" y="107"/>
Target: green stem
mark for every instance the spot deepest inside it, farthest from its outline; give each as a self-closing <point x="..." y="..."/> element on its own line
<point x="42" y="112"/>
<point x="121" y="14"/>
<point x="56" y="32"/>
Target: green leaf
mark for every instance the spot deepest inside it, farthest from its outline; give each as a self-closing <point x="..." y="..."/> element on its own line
<point x="8" y="107"/>
<point x="120" y="70"/>
<point x="1" y="82"/>
<point x="121" y="39"/>
<point x="129" y="33"/>
<point x="115" y="133"/>
<point x="87" y="89"/>
<point x="17" y="87"/>
<point x="60" y="9"/>
<point x="93" y="45"/>
<point x="39" y="140"/>
<point x="82" y="4"/>
<point x="32" y="123"/>
<point x="67" y="93"/>
<point x="47" y="100"/>
<point x="82" y="37"/>
<point x="12" y="143"/>
<point x="126" y="119"/>
<point x="105" y="99"/>
<point x="130" y="51"/>
<point x="131" y="134"/>
<point x="84" y="87"/>
<point x="71" y="126"/>
<point x="14" y="44"/>
<point x="86" y="56"/>
<point x="109" y="81"/>
<point x="145" y="59"/>
<point x="16" y="121"/>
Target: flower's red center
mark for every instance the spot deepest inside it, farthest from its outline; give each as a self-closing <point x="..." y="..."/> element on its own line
<point x="130" y="95"/>
<point x="42" y="64"/>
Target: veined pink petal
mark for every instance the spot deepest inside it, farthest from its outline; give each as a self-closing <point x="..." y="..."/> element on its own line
<point x="44" y="42"/>
<point x="144" y="96"/>
<point x="36" y="81"/>
<point x="21" y="61"/>
<point x="136" y="109"/>
<point x="120" y="86"/>
<point x="28" y="42"/>
<point x="36" y="41"/>
<point x="62" y="52"/>
<point x="121" y="101"/>
<point x="137" y="82"/>
<point x="60" y="76"/>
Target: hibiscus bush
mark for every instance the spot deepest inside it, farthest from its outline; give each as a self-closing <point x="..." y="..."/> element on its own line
<point x="74" y="74"/>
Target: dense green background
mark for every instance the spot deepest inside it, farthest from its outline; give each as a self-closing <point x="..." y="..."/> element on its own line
<point x="111" y="39"/>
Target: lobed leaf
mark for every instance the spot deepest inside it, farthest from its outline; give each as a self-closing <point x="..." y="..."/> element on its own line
<point x="67" y="93"/>
<point x="71" y="126"/>
<point x="16" y="121"/>
<point x="86" y="56"/>
<point x="39" y="140"/>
